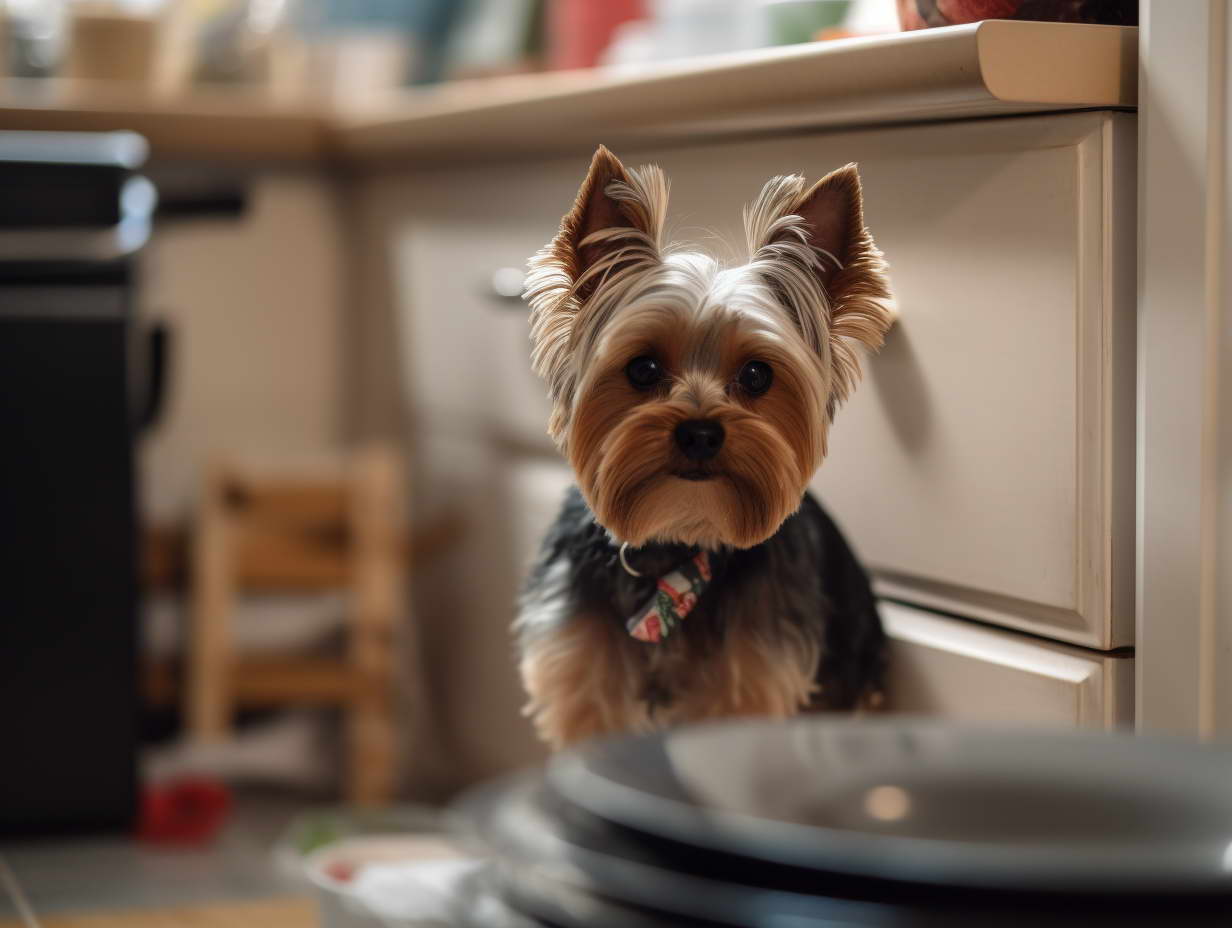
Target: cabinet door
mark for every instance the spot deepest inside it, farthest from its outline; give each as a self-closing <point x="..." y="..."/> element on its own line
<point x="464" y="328"/>
<point x="959" y="670"/>
<point x="986" y="465"/>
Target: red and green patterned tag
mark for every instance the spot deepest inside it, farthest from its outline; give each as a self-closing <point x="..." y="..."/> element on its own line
<point x="675" y="596"/>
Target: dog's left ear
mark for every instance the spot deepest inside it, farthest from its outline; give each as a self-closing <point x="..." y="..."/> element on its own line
<point x="839" y="252"/>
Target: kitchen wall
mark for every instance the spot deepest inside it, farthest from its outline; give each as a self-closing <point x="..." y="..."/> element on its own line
<point x="256" y="308"/>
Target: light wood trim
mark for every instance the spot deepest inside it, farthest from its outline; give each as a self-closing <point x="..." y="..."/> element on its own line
<point x="209" y="633"/>
<point x="378" y="578"/>
<point x="292" y="534"/>
<point x="299" y="681"/>
<point x="290" y="500"/>
<point x="274" y="562"/>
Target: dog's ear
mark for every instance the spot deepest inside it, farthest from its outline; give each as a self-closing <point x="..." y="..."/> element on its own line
<point x="616" y="219"/>
<point x="607" y="209"/>
<point x="616" y="224"/>
<point x="821" y="231"/>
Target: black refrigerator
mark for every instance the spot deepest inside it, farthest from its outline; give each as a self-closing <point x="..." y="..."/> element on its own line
<point x="73" y="214"/>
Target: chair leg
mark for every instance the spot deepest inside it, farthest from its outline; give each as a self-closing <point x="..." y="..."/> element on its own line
<point x="209" y="639"/>
<point x="377" y="580"/>
<point x="370" y="751"/>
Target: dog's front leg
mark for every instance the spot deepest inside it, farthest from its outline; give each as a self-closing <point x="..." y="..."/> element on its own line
<point x="583" y="680"/>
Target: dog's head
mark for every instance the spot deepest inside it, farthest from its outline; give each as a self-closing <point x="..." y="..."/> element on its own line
<point x="692" y="400"/>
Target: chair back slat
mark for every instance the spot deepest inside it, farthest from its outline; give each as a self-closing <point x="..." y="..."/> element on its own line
<point x="289" y="536"/>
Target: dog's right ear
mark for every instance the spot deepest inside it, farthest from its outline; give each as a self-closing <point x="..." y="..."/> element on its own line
<point x="617" y="218"/>
<point x="616" y="223"/>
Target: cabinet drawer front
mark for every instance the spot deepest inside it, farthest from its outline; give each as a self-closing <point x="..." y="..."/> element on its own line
<point x="956" y="669"/>
<point x="985" y="466"/>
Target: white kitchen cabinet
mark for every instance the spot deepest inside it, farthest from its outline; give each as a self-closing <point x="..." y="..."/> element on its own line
<point x="983" y="469"/>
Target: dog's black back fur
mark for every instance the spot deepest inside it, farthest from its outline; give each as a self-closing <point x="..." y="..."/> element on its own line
<point x="818" y="585"/>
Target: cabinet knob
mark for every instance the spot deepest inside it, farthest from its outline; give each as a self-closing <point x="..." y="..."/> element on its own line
<point x="507" y="284"/>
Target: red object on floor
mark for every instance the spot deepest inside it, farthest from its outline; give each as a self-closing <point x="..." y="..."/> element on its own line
<point x="341" y="870"/>
<point x="183" y="811"/>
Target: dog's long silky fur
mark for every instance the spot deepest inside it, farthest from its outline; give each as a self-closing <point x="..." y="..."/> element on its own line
<point x="789" y="621"/>
<point x="788" y="624"/>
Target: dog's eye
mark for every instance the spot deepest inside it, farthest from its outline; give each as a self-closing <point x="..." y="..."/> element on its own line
<point x="643" y="372"/>
<point x="756" y="377"/>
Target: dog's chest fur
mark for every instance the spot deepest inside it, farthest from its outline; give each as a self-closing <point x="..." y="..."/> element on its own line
<point x="757" y="642"/>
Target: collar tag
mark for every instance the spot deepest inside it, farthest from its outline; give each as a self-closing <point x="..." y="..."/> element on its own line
<point x="675" y="596"/>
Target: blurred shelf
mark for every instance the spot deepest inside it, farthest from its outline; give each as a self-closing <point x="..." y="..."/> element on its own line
<point x="227" y="123"/>
<point x="994" y="68"/>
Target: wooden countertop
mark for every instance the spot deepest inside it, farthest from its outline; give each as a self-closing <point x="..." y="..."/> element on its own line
<point x="984" y="69"/>
<point x="230" y="123"/>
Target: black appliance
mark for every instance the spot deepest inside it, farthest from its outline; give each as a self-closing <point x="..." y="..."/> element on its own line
<point x="73" y="214"/>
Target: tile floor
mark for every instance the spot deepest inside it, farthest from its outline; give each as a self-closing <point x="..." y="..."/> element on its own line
<point x="90" y="874"/>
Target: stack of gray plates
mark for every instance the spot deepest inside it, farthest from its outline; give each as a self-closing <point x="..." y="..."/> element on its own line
<point x="856" y="822"/>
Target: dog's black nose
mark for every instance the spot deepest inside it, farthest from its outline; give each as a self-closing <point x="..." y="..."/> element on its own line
<point x="699" y="439"/>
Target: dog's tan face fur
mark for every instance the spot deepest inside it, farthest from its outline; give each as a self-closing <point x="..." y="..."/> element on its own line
<point x="607" y="291"/>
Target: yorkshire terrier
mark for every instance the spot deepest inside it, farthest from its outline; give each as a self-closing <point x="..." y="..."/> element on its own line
<point x="690" y="575"/>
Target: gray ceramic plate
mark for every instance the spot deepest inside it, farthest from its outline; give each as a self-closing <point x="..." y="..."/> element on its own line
<point x="926" y="802"/>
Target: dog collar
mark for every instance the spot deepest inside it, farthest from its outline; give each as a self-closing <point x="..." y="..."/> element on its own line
<point x="676" y="594"/>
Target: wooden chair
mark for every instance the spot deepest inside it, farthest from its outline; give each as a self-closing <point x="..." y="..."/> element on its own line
<point x="283" y="533"/>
